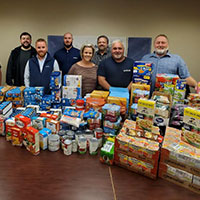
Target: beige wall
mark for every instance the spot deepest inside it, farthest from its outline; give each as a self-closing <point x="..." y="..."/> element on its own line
<point x="179" y="19"/>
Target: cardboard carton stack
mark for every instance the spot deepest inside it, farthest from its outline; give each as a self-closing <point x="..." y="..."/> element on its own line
<point x="136" y="152"/>
<point x="180" y="162"/>
<point x="71" y="89"/>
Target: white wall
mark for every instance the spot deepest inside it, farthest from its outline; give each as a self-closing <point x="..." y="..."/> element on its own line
<point x="179" y="19"/>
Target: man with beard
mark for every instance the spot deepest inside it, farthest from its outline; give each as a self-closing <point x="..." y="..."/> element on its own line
<point x="117" y="70"/>
<point x="103" y="51"/>
<point x="18" y="59"/>
<point x="165" y="62"/>
<point x="39" y="68"/>
<point x="68" y="55"/>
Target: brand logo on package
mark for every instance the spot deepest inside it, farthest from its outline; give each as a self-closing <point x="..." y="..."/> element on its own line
<point x="20" y="124"/>
<point x="126" y="70"/>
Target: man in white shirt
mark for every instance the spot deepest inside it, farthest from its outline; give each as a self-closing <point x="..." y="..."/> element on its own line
<point x="38" y="69"/>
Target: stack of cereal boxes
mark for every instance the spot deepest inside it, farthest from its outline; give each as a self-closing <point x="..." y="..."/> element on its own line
<point x="16" y="96"/>
<point x="71" y="89"/>
<point x="180" y="161"/>
<point x="55" y="86"/>
<point x="33" y="95"/>
<point x="142" y="72"/>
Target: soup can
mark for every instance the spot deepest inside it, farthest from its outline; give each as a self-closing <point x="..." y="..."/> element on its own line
<point x="53" y="142"/>
<point x="67" y="147"/>
<point x="74" y="146"/>
<point x="71" y="135"/>
<point x="98" y="132"/>
<point x="93" y="146"/>
<point x="78" y="134"/>
<point x="62" y="140"/>
<point x="82" y="145"/>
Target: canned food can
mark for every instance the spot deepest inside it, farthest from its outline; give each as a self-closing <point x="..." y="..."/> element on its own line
<point x="98" y="132"/>
<point x="78" y="134"/>
<point x="88" y="133"/>
<point x="61" y="133"/>
<point x="74" y="128"/>
<point x="67" y="147"/>
<point x="82" y="145"/>
<point x="93" y="146"/>
<point x="53" y="142"/>
<point x="62" y="139"/>
<point x="74" y="146"/>
<point x="70" y="134"/>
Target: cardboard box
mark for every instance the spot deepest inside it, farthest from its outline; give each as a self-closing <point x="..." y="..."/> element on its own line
<point x="99" y="94"/>
<point x="31" y="140"/>
<point x="136" y="165"/>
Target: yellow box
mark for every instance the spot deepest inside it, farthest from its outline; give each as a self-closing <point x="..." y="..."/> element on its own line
<point x="99" y="94"/>
<point x="121" y="101"/>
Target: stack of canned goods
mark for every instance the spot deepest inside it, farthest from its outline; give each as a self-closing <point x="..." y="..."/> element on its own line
<point x="81" y="140"/>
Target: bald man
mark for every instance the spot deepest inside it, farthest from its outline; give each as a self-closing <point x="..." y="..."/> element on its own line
<point x="68" y="55"/>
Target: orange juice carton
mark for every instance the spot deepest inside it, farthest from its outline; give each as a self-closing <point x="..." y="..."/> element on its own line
<point x="16" y="136"/>
<point x="22" y="122"/>
<point x="10" y="123"/>
<point x="53" y="125"/>
<point x="31" y="140"/>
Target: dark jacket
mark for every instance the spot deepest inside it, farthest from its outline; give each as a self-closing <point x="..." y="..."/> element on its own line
<point x="14" y="76"/>
<point x="41" y="79"/>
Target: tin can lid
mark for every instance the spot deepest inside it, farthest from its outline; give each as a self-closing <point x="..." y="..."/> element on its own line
<point x="88" y="131"/>
<point x="53" y="137"/>
<point x="98" y="129"/>
<point x="67" y="142"/>
<point x="71" y="133"/>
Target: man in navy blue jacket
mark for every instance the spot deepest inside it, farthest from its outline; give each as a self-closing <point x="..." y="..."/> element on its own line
<point x="68" y="55"/>
<point x="38" y="69"/>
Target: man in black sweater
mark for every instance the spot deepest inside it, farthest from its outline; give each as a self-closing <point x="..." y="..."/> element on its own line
<point x="17" y="60"/>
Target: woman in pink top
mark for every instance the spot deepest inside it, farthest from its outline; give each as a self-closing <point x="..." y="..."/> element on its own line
<point x="86" y="68"/>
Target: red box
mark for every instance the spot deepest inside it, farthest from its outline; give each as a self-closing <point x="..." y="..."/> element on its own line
<point x="16" y="136"/>
<point x="22" y="122"/>
<point x="31" y="140"/>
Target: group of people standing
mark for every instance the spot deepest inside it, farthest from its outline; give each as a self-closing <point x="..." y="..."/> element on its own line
<point x="106" y="67"/>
